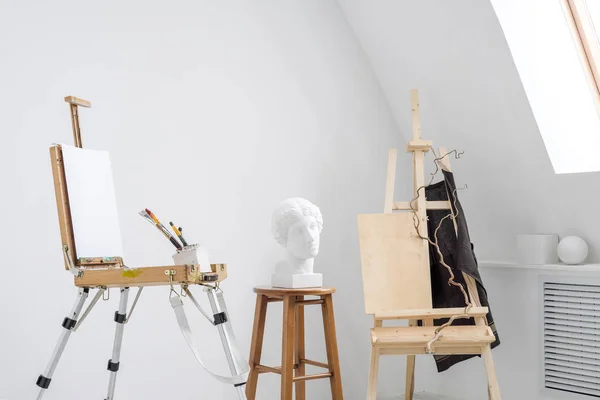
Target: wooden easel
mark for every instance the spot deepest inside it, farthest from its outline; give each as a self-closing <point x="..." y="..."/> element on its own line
<point x="103" y="273"/>
<point x="108" y="271"/>
<point x="397" y="281"/>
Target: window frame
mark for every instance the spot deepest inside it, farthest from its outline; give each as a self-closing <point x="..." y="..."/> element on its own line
<point x="587" y="43"/>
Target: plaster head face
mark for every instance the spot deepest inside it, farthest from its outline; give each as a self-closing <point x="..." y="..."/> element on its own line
<point x="303" y="238"/>
<point x="297" y="225"/>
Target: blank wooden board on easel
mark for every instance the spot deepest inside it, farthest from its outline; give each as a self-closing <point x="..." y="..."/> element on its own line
<point x="393" y="275"/>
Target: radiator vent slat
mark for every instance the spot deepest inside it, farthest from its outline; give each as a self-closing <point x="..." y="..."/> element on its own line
<point x="567" y="334"/>
<point x="569" y="366"/>
<point x="573" y="311"/>
<point x="572" y="338"/>
<point x="572" y="287"/>
<point x="565" y="304"/>
<point x="572" y="329"/>
<point x="590" y="363"/>
<point x="570" y="317"/>
<point x="575" y="294"/>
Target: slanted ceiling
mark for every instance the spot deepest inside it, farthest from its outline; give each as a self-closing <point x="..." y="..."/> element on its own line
<point x="472" y="100"/>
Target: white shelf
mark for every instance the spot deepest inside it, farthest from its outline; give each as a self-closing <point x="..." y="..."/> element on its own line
<point x="545" y="267"/>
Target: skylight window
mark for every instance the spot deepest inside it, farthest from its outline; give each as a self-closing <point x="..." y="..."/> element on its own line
<point x="557" y="72"/>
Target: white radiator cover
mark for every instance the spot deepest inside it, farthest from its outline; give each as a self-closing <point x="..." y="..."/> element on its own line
<point x="571" y="335"/>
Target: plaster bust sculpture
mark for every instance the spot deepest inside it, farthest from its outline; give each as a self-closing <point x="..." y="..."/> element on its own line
<point x="297" y="226"/>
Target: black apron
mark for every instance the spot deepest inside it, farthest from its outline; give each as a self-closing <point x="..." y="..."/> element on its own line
<point x="458" y="254"/>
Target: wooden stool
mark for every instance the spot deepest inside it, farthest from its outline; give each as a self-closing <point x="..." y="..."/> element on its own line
<point x="293" y="355"/>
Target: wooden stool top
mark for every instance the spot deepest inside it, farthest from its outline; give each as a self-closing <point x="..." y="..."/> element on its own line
<point x="281" y="292"/>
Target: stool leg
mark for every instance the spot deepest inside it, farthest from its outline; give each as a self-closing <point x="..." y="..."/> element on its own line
<point x="258" y="331"/>
<point x="300" y="351"/>
<point x="332" y="350"/>
<point x="287" y="353"/>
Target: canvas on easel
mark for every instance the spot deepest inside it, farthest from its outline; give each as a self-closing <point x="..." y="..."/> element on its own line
<point x="93" y="253"/>
<point x="394" y="250"/>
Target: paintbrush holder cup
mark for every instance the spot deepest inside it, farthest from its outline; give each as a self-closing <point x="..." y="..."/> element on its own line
<point x="195" y="254"/>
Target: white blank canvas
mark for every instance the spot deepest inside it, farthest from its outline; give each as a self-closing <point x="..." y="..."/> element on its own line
<point x="93" y="203"/>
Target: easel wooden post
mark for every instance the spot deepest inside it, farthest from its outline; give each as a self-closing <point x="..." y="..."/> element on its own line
<point x="393" y="249"/>
<point x="73" y="103"/>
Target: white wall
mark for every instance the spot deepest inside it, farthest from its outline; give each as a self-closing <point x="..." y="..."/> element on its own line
<point x="212" y="113"/>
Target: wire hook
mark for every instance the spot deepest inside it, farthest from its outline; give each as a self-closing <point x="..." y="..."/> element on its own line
<point x="437" y="160"/>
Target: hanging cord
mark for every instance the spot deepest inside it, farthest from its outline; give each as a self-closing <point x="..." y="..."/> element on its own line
<point x="434" y="243"/>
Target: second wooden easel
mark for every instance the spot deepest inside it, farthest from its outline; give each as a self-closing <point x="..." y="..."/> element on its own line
<point x="397" y="280"/>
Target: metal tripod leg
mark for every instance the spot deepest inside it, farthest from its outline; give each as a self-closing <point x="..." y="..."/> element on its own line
<point x="113" y="363"/>
<point x="68" y="324"/>
<point x="227" y="337"/>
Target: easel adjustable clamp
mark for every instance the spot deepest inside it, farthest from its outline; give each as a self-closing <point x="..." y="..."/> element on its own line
<point x="72" y="268"/>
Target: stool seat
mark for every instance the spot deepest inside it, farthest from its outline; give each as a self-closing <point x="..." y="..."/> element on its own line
<point x="293" y="357"/>
<point x="280" y="292"/>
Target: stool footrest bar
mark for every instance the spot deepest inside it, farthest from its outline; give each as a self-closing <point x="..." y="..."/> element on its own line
<point x="315" y="363"/>
<point x="313" y="376"/>
<point x="309" y="302"/>
<point x="263" y="368"/>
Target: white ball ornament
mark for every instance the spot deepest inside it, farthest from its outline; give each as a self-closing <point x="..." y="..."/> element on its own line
<point x="572" y="250"/>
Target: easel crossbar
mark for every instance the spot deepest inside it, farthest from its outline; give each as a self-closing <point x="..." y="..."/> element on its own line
<point x="430" y="205"/>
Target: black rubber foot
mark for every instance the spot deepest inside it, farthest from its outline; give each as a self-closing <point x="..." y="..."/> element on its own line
<point x="220" y="318"/>
<point x="120" y="318"/>
<point x="43" y="382"/>
<point x="69" y="323"/>
<point x="113" y="367"/>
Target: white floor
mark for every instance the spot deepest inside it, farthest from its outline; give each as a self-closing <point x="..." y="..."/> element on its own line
<point x="429" y="396"/>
